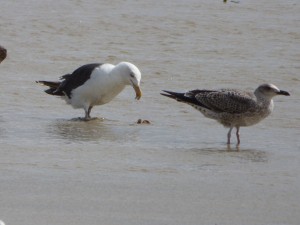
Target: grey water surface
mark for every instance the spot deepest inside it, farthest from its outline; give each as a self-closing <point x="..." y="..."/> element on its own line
<point x="56" y="169"/>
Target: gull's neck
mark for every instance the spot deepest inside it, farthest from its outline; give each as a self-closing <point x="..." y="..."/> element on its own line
<point x="117" y="74"/>
<point x="264" y="101"/>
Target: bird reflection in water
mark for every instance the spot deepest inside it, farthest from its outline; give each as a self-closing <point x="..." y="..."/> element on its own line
<point x="253" y="155"/>
<point x="77" y="130"/>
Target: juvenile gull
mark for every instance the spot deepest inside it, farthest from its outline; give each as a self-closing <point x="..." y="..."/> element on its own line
<point x="232" y="107"/>
<point x="95" y="84"/>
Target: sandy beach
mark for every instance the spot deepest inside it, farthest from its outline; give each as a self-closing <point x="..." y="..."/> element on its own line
<point x="178" y="169"/>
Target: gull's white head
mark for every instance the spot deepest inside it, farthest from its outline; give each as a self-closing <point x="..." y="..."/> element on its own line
<point x="270" y="90"/>
<point x="132" y="76"/>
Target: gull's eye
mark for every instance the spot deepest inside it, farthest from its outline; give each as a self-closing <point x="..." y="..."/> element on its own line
<point x="132" y="75"/>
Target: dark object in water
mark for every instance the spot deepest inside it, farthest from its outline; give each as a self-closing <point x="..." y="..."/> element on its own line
<point x="140" y="121"/>
<point x="3" y="53"/>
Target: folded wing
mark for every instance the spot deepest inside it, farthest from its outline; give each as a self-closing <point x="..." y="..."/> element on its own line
<point x="225" y="100"/>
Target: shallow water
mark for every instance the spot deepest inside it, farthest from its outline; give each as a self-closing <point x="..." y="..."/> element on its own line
<point x="178" y="169"/>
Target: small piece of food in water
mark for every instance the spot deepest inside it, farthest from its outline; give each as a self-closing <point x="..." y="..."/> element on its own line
<point x="140" y="121"/>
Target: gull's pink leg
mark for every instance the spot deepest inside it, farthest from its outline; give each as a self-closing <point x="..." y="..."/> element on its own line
<point x="229" y="135"/>
<point x="238" y="135"/>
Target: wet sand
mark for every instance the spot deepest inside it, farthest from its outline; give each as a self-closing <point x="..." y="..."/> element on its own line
<point x="177" y="170"/>
<point x="114" y="186"/>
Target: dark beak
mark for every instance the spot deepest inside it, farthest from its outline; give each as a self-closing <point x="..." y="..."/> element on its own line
<point x="281" y="92"/>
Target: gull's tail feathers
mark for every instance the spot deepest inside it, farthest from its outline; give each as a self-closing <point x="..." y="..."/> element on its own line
<point x="53" y="87"/>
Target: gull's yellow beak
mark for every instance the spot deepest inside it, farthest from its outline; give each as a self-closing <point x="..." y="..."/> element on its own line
<point x="138" y="92"/>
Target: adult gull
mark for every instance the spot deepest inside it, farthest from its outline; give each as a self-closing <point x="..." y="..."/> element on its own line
<point x="231" y="107"/>
<point x="95" y="84"/>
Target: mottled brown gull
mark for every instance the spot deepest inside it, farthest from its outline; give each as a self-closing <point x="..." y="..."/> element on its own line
<point x="232" y="107"/>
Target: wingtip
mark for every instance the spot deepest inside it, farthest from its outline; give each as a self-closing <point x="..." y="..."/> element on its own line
<point x="167" y="94"/>
<point x="170" y="92"/>
<point x="40" y="82"/>
<point x="164" y="94"/>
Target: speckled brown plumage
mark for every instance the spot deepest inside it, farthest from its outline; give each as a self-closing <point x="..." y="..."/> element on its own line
<point x="231" y="107"/>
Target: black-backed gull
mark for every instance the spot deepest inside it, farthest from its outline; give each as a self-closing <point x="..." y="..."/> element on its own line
<point x="95" y="84"/>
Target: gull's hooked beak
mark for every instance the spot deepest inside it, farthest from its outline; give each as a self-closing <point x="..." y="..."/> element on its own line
<point x="281" y="92"/>
<point x="138" y="91"/>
